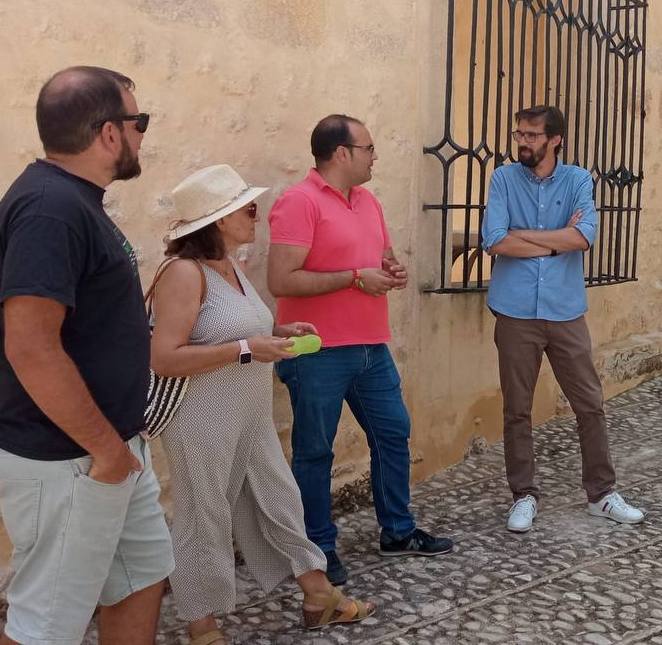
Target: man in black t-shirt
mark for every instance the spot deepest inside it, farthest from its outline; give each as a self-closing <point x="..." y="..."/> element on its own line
<point x="78" y="496"/>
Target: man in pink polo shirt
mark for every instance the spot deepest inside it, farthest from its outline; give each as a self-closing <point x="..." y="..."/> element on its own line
<point x="331" y="263"/>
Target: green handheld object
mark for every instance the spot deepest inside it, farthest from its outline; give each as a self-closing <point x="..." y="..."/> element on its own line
<point x="308" y="344"/>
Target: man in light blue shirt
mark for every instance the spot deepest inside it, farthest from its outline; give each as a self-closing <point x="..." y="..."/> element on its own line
<point x="540" y="218"/>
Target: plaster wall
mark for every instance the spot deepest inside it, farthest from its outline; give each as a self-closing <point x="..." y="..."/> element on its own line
<point x="244" y="83"/>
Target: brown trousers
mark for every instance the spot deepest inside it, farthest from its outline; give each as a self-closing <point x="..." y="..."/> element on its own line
<point x="521" y="344"/>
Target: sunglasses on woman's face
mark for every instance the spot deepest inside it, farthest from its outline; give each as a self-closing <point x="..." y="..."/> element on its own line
<point x="251" y="211"/>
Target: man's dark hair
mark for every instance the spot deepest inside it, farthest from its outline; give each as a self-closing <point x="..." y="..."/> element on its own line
<point x="552" y="117"/>
<point x="75" y="99"/>
<point x="331" y="132"/>
<point x="204" y="244"/>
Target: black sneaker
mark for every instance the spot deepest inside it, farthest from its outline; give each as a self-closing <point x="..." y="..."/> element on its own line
<point x="417" y="543"/>
<point x="335" y="570"/>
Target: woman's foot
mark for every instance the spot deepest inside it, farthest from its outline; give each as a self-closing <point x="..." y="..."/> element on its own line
<point x="206" y="632"/>
<point x="214" y="637"/>
<point x="332" y="607"/>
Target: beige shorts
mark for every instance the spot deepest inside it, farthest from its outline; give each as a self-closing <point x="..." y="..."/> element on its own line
<point x="77" y="542"/>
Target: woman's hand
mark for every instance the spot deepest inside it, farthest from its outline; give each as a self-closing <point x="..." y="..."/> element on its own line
<point x="295" y="329"/>
<point x="267" y="349"/>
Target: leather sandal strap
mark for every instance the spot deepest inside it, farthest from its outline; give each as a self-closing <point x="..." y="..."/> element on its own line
<point x="214" y="636"/>
<point x="331" y="603"/>
<point x="362" y="610"/>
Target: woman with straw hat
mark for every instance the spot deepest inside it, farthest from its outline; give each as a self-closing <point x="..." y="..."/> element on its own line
<point x="229" y="476"/>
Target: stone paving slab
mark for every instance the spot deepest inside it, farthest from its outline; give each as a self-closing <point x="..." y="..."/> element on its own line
<point x="572" y="579"/>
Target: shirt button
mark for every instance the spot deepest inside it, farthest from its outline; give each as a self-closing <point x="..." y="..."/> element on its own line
<point x="542" y="205"/>
<point x="539" y="225"/>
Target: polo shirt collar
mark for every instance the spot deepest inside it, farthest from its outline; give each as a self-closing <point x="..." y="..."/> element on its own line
<point x="316" y="178"/>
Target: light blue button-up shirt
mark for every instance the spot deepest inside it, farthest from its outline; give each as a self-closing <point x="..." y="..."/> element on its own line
<point x="548" y="288"/>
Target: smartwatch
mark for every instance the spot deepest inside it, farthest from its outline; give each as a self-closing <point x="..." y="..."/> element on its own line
<point x="245" y="355"/>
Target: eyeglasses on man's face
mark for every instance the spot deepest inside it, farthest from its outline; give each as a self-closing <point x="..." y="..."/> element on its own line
<point x="370" y="147"/>
<point x="527" y="136"/>
<point x="142" y="121"/>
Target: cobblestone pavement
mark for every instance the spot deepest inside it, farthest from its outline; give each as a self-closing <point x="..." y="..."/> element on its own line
<point x="572" y="579"/>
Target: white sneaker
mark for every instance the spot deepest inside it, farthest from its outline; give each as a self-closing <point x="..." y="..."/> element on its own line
<point x="521" y="514"/>
<point x="616" y="508"/>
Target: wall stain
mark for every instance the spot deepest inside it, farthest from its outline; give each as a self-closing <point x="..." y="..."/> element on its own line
<point x="201" y="13"/>
<point x="296" y="23"/>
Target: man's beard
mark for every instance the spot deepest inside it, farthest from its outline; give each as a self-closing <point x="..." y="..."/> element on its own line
<point x="533" y="159"/>
<point x="127" y="166"/>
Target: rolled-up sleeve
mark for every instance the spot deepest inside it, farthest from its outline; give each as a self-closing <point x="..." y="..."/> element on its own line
<point x="584" y="202"/>
<point x="496" y="221"/>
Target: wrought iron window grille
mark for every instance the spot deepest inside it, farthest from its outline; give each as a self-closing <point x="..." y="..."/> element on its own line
<point x="585" y="56"/>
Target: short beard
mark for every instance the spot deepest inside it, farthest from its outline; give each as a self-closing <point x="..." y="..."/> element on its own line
<point x="536" y="156"/>
<point x="128" y="165"/>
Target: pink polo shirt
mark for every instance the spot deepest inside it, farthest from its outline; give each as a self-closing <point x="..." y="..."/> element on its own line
<point x="340" y="236"/>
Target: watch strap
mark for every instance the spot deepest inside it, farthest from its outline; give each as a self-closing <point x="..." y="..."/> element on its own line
<point x="357" y="282"/>
<point x="245" y="354"/>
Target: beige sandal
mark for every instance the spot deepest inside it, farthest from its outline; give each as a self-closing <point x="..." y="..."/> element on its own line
<point x="214" y="637"/>
<point x="331" y="614"/>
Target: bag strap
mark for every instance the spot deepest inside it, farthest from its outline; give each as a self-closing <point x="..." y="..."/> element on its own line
<point x="161" y="269"/>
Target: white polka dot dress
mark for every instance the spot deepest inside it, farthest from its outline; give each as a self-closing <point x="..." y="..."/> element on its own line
<point x="229" y="476"/>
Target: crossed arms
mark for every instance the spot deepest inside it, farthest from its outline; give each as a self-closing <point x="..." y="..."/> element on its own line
<point x="532" y="244"/>
<point x="500" y="237"/>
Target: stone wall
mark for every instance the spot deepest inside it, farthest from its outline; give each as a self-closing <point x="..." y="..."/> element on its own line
<point x="244" y="83"/>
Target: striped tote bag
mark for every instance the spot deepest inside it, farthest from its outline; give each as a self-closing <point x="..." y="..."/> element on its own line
<point x="165" y="393"/>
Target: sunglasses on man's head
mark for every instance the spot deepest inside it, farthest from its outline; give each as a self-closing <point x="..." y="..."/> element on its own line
<point x="142" y="121"/>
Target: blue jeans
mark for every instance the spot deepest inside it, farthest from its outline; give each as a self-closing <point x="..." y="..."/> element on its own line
<point x="366" y="377"/>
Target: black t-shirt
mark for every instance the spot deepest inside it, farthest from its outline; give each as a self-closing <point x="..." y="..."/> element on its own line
<point x="57" y="242"/>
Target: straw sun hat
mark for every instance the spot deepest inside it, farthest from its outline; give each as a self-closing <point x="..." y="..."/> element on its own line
<point x="208" y="195"/>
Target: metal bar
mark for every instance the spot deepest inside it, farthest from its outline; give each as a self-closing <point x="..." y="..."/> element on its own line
<point x="470" y="142"/>
<point x="604" y="186"/>
<point x="633" y="122"/>
<point x="642" y="117"/>
<point x="522" y="59"/>
<point x="483" y="137"/>
<point x="578" y="84"/>
<point x="559" y="42"/>
<point x="590" y="260"/>
<point x="436" y="207"/>
<point x="474" y="289"/>
<point x="534" y="58"/>
<point x="499" y="89"/>
<point x="548" y="54"/>
<point x="511" y="72"/>
<point x="597" y="48"/>
<point x="447" y="134"/>
<point x="568" y="74"/>
<point x="629" y="124"/>
<point x="614" y="189"/>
